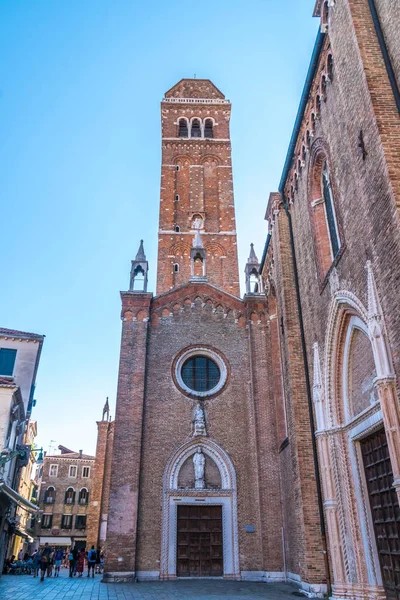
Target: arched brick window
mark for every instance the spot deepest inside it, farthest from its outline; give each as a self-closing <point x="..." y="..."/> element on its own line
<point x="208" y="129"/>
<point x="50" y="495"/>
<point x="324" y="214"/>
<point x="195" y="129"/>
<point x="183" y="128"/>
<point x="69" y="496"/>
<point x="83" y="496"/>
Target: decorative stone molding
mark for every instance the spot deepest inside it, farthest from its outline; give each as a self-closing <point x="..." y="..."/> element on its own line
<point x="376" y="326"/>
<point x="200" y="351"/>
<point x="195" y="101"/>
<point x="318" y="392"/>
<point x="225" y="497"/>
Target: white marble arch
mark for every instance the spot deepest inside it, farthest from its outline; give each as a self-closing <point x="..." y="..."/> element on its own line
<point x="225" y="497"/>
<point x="344" y="434"/>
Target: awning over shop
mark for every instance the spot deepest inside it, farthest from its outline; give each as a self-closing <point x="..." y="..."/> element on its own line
<point x="23" y="534"/>
<point x="17" y="498"/>
<point x="54" y="540"/>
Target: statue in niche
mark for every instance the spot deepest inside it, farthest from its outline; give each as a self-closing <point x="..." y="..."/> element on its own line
<point x="199" y="462"/>
<point x="199" y="421"/>
<point x="197" y="222"/>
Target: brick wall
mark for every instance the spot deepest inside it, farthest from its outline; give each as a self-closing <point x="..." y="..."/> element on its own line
<point x="231" y="422"/>
<point x="196" y="181"/>
<point x="99" y="504"/>
<point x="352" y="121"/>
<point x="126" y="460"/>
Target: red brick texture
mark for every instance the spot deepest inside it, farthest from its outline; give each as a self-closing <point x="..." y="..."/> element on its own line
<point x="154" y="414"/>
<point x="99" y="500"/>
<point x="124" y="492"/>
<point x="196" y="181"/>
<point x="351" y="117"/>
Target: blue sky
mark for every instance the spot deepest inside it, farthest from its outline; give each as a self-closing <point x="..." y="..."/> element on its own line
<point x="80" y="87"/>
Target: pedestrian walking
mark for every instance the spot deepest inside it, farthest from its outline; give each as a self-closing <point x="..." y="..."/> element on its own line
<point x="29" y="565"/>
<point x="71" y="558"/>
<point x="80" y="566"/>
<point x="98" y="562"/>
<point x="92" y="557"/>
<point x="58" y="560"/>
<point x="44" y="560"/>
<point x="37" y="557"/>
<point x="50" y="564"/>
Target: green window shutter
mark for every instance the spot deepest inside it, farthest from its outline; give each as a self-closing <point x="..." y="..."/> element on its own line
<point x="7" y="361"/>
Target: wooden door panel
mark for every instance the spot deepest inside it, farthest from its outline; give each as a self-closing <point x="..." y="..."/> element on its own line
<point x="384" y="508"/>
<point x="199" y="541"/>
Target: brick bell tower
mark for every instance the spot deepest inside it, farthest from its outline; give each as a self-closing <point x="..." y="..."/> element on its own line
<point x="193" y="399"/>
<point x="197" y="228"/>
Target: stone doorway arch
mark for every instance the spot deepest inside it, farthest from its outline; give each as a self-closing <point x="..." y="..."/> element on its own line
<point x="174" y="496"/>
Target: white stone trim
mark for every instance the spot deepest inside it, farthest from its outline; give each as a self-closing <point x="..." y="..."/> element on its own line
<point x="196" y="100"/>
<point x="274" y="576"/>
<point x="229" y="530"/>
<point x="367" y="426"/>
<point x="310" y="589"/>
<point x="147" y="575"/>
<point x="209" y="448"/>
<point x="268" y="576"/>
<point x="200" y="351"/>
<point x="195" y="139"/>
<point x="226" y="497"/>
<point x="252" y="575"/>
<point x="354" y="323"/>
<point x="362" y="497"/>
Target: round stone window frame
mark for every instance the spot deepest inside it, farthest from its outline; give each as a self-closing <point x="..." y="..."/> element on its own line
<point x="208" y="352"/>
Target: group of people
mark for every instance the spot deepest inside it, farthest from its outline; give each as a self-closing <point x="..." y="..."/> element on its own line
<point x="76" y="558"/>
<point x="47" y="559"/>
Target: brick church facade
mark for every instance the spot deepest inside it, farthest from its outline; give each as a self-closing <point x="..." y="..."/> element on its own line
<point x="258" y="437"/>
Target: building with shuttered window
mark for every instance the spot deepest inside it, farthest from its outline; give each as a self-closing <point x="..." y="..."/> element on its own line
<point x="20" y="353"/>
<point x="64" y="499"/>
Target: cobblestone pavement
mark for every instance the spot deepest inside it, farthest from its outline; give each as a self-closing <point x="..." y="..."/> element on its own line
<point x="26" y="587"/>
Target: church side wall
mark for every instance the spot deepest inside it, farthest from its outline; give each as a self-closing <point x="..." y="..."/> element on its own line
<point x="363" y="192"/>
<point x="389" y="17"/>
<point x="302" y="535"/>
<point x="266" y="433"/>
<point x="356" y="131"/>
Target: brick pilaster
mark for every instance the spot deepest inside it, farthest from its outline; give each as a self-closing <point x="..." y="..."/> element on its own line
<point x="305" y="550"/>
<point x="265" y="431"/>
<point x="124" y="493"/>
<point x="96" y="500"/>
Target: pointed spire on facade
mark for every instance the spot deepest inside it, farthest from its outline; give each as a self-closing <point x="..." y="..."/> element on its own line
<point x="139" y="269"/>
<point x="140" y="256"/>
<point x="254" y="283"/>
<point x="106" y="411"/>
<point x="253" y="257"/>
<point x="376" y="326"/>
